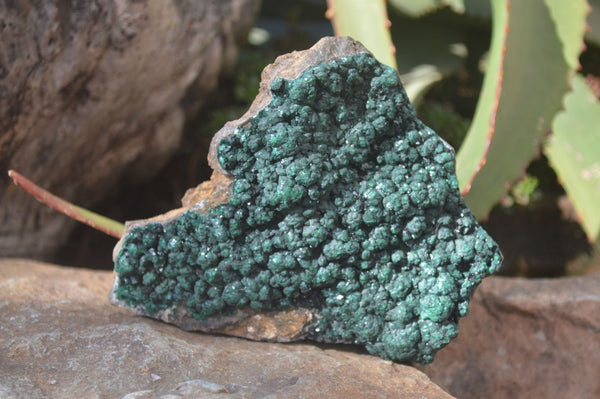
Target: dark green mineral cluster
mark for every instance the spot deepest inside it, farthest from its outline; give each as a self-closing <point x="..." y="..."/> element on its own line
<point x="342" y="202"/>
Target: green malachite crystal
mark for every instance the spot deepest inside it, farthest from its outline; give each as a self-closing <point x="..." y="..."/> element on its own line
<point x="342" y="201"/>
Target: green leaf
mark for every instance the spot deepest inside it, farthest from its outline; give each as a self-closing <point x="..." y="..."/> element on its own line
<point x="574" y="152"/>
<point x="542" y="42"/>
<point x="473" y="151"/>
<point x="367" y="22"/>
<point x="419" y="80"/>
<point x="478" y="8"/>
<point x="419" y="8"/>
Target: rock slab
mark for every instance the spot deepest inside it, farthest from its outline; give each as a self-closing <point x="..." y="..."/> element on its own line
<point x="59" y="337"/>
<point x="526" y="338"/>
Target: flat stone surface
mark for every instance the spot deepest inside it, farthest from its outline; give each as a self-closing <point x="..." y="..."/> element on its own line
<point x="526" y="338"/>
<point x="60" y="337"/>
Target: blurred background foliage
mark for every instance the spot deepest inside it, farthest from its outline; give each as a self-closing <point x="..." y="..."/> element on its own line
<point x="513" y="86"/>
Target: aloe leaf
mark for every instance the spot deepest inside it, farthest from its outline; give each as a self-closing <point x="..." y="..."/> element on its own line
<point x="419" y="8"/>
<point x="419" y="80"/>
<point x="542" y="42"/>
<point x="574" y="152"/>
<point x="457" y="5"/>
<point x="478" y="8"/>
<point x="367" y="22"/>
<point x="416" y="9"/>
<point x="473" y="152"/>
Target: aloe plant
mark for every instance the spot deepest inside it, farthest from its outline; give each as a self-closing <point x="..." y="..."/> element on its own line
<point x="530" y="82"/>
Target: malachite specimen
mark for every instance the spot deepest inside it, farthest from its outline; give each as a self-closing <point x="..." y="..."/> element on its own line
<point x="342" y="201"/>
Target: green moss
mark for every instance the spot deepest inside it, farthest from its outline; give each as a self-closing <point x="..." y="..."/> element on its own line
<point x="342" y="201"/>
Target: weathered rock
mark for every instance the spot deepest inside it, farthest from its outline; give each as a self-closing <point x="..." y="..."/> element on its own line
<point x="526" y="339"/>
<point x="91" y="91"/>
<point x="59" y="337"/>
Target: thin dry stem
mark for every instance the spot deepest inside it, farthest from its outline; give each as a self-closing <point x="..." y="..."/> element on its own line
<point x="98" y="222"/>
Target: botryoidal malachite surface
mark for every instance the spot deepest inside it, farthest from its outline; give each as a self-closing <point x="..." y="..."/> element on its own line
<point x="343" y="202"/>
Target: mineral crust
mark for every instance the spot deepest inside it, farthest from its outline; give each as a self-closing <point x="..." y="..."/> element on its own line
<point x="334" y="215"/>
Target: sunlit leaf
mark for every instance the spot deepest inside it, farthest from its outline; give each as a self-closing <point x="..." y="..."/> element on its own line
<point x="541" y="43"/>
<point x="417" y="8"/>
<point x="472" y="154"/>
<point x="574" y="152"/>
